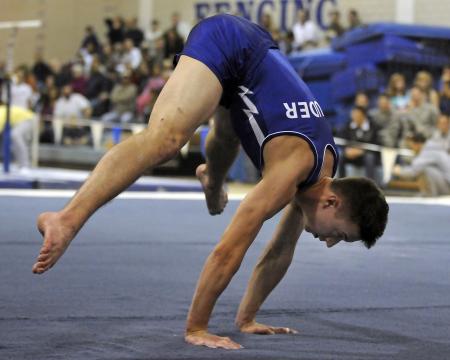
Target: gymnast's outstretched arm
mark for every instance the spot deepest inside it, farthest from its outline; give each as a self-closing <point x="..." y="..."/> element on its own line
<point x="269" y="271"/>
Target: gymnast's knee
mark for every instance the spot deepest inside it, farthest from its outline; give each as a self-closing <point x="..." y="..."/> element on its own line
<point x="169" y="142"/>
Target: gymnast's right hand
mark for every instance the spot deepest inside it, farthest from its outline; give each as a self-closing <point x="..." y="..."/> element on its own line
<point x="202" y="337"/>
<point x="57" y="235"/>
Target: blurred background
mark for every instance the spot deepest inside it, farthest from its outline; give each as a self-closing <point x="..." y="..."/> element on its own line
<point x="77" y="77"/>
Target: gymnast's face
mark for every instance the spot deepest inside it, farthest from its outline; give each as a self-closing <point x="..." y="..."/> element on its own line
<point x="329" y="223"/>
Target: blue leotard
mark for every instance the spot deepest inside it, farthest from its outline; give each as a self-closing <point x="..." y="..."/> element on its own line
<point x="266" y="97"/>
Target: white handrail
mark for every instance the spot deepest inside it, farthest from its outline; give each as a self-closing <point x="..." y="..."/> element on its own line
<point x="388" y="154"/>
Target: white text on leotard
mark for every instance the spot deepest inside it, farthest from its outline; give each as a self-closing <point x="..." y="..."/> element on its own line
<point x="303" y="109"/>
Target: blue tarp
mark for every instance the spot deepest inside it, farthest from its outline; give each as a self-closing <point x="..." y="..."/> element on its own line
<point x="318" y="63"/>
<point x="369" y="32"/>
<point x="392" y="48"/>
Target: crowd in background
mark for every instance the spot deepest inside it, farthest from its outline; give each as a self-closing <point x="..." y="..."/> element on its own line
<point x="118" y="81"/>
<point x="415" y="117"/>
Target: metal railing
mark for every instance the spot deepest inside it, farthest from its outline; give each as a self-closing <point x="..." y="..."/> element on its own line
<point x="388" y="155"/>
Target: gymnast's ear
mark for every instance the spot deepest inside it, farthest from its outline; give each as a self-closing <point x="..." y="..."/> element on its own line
<point x="332" y="200"/>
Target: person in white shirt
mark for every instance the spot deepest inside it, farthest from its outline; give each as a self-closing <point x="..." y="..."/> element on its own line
<point x="131" y="58"/>
<point x="153" y="34"/>
<point x="72" y="106"/>
<point x="183" y="28"/>
<point x="21" y="92"/>
<point x="306" y="34"/>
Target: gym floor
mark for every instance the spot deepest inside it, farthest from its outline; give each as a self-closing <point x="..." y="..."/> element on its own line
<point x="123" y="288"/>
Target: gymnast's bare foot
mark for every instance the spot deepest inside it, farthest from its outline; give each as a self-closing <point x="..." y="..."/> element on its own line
<point x="57" y="237"/>
<point x="216" y="197"/>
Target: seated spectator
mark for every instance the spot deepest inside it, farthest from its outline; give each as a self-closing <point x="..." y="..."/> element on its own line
<point x="48" y="95"/>
<point x="110" y="56"/>
<point x="21" y="91"/>
<point x="123" y="98"/>
<point x="431" y="164"/>
<point x="421" y="116"/>
<point x="359" y="129"/>
<point x="306" y="34"/>
<point x="362" y="100"/>
<point x="441" y="136"/>
<point x="73" y="106"/>
<point x="40" y="68"/>
<point x="133" y="32"/>
<point x="182" y="28"/>
<point x="335" y="28"/>
<point x="62" y="73"/>
<point x="131" y="57"/>
<point x="444" y="101"/>
<point x="173" y="43"/>
<point x="388" y="123"/>
<point x="153" y="34"/>
<point x="424" y="80"/>
<point x="159" y="51"/>
<point x="354" y="20"/>
<point x="115" y="30"/>
<point x="79" y="81"/>
<point x="90" y="37"/>
<point x="397" y="93"/>
<point x="21" y="121"/>
<point x="87" y="55"/>
<point x="148" y="96"/>
<point x="98" y="87"/>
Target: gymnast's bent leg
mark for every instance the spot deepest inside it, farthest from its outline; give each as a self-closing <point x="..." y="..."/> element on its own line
<point x="222" y="146"/>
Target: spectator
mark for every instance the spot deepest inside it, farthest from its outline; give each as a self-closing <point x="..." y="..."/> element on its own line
<point x="98" y="87"/>
<point x="444" y="102"/>
<point x="359" y="129"/>
<point x="123" y="98"/>
<point x="87" y="55"/>
<point x="362" y="100"/>
<point x="173" y="43"/>
<point x="335" y="28"/>
<point x="21" y="120"/>
<point x="115" y="32"/>
<point x="421" y="116"/>
<point x="306" y="34"/>
<point x="40" y="68"/>
<point x="181" y="27"/>
<point x="159" y="51"/>
<point x="48" y="96"/>
<point x="62" y="73"/>
<point x="431" y="164"/>
<point x="90" y="37"/>
<point x="110" y="56"/>
<point x="79" y="81"/>
<point x="133" y="32"/>
<point x="354" y="20"/>
<point x="132" y="56"/>
<point x="148" y="96"/>
<point x="389" y="125"/>
<point x="153" y="34"/>
<point x="424" y="80"/>
<point x="397" y="92"/>
<point x="73" y="106"/>
<point x="21" y="91"/>
<point x="441" y="136"/>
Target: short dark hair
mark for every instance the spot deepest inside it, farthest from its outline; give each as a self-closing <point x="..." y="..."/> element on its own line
<point x="365" y="206"/>
<point x="417" y="137"/>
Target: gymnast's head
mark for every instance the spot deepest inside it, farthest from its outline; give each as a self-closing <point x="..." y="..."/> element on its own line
<point x="348" y="209"/>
